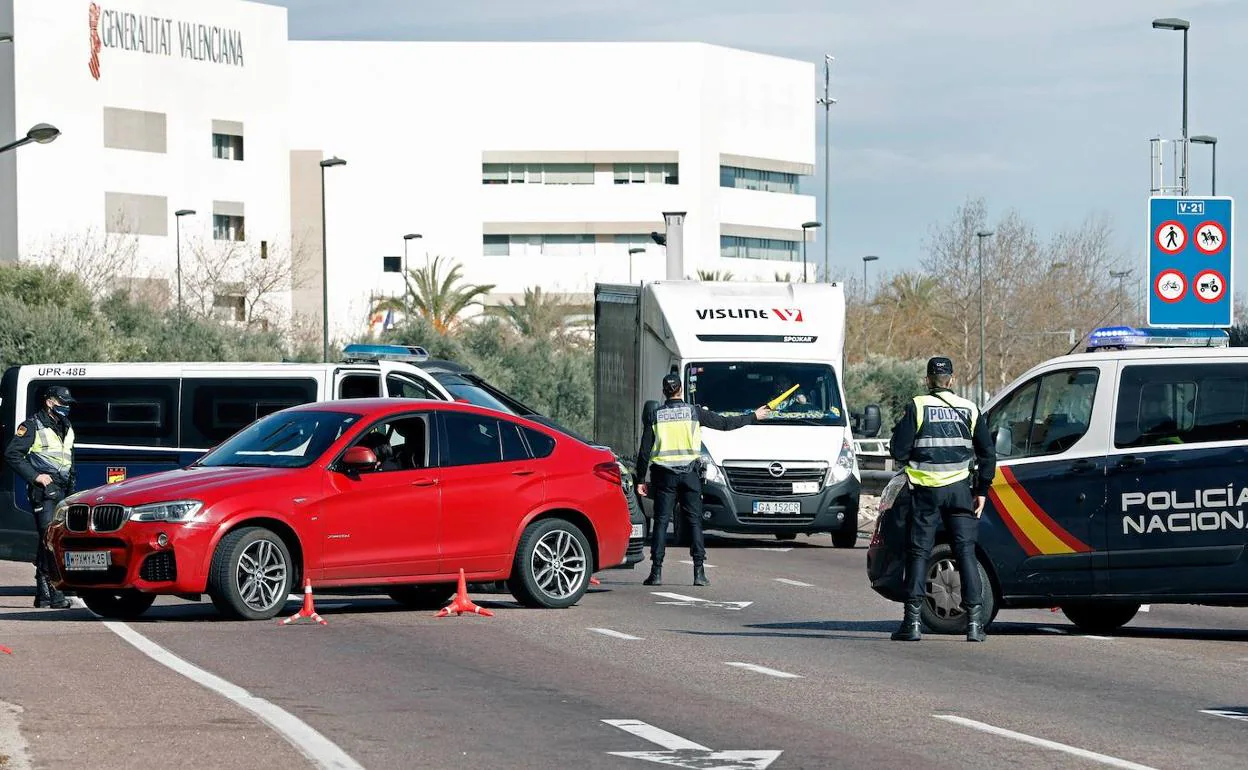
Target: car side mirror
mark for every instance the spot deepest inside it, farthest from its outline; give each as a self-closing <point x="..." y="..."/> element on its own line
<point x="872" y="421"/>
<point x="356" y="459"/>
<point x="1004" y="441"/>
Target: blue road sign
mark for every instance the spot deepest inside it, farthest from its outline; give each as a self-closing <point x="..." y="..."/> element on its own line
<point x="1190" y="264"/>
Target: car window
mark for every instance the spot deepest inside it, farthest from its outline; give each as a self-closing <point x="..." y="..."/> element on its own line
<point x="360" y="386"/>
<point x="282" y="440"/>
<point x="476" y="440"/>
<point x="400" y="444"/>
<point x="1163" y="405"/>
<point x="1010" y="421"/>
<point x="541" y="444"/>
<point x="404" y="387"/>
<point x="1063" y="410"/>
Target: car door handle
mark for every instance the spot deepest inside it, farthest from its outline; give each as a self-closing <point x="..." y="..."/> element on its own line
<point x="522" y="473"/>
<point x="1083" y="464"/>
<point x="1130" y="461"/>
<point x="425" y="483"/>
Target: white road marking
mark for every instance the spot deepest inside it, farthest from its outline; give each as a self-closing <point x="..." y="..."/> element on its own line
<point x="1052" y="630"/>
<point x="1104" y="759"/>
<point x="797" y="583"/>
<point x="774" y="550"/>
<point x="1239" y="715"/>
<point x="615" y="634"/>
<point x="1146" y="607"/>
<point x="764" y="670"/>
<point x="655" y="735"/>
<point x="321" y="751"/>
<point x="708" y="566"/>
<point x="685" y="753"/>
<point x="693" y="601"/>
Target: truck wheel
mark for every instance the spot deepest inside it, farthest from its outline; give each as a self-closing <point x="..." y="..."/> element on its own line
<point x="552" y="566"/>
<point x="1099" y="617"/>
<point x="942" y="611"/>
<point x="126" y="604"/>
<point x="847" y="535"/>
<point x="251" y="574"/>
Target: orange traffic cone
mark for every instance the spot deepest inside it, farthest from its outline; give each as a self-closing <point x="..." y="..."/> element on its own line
<point x="5" y="650"/>
<point x="307" y="611"/>
<point x="461" y="603"/>
<point x="593" y="581"/>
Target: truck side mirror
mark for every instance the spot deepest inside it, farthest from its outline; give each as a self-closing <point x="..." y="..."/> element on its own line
<point x="872" y="421"/>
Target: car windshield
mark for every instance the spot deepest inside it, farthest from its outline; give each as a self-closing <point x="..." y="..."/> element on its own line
<point x="281" y="440"/>
<point x="459" y="388"/>
<point x="810" y="392"/>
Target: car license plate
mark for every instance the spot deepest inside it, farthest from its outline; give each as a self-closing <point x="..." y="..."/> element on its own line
<point x="777" y="506"/>
<point x="805" y="487"/>
<point x="88" y="560"/>
<point x="639" y="530"/>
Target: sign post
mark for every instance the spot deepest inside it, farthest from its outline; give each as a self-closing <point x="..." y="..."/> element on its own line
<point x="1190" y="262"/>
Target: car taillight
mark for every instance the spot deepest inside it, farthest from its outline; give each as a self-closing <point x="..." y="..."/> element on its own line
<point x="609" y="472"/>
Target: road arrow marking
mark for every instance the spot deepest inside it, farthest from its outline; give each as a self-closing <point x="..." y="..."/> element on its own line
<point x="684" y="753"/>
<point x="680" y="600"/>
<point x="1240" y="714"/>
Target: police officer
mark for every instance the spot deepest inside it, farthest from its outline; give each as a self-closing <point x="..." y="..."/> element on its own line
<point x="42" y="453"/>
<point x="936" y="439"/>
<point x="672" y="438"/>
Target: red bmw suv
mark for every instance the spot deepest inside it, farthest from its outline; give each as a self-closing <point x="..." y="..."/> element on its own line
<point x="396" y="494"/>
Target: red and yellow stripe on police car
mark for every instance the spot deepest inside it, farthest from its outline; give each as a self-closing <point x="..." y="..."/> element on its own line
<point x="1028" y="523"/>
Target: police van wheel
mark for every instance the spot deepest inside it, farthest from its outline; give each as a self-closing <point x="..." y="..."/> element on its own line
<point x="847" y="535"/>
<point x="553" y="565"/>
<point x="942" y="609"/>
<point x="117" y="605"/>
<point x="1100" y="617"/>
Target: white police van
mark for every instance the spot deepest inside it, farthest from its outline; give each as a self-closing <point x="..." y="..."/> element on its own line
<point x="132" y="419"/>
<point x="1122" y="479"/>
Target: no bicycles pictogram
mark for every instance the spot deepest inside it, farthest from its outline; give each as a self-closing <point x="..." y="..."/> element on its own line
<point x="1170" y="286"/>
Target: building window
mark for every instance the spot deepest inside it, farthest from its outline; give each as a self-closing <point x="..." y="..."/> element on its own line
<point x="754" y="179"/>
<point x="738" y="247"/>
<point x="553" y="245"/>
<point x="646" y="173"/>
<point x="496" y="245"/>
<point x="537" y="173"/>
<point x="227" y="147"/>
<point x="227" y="227"/>
<point x="229" y="307"/>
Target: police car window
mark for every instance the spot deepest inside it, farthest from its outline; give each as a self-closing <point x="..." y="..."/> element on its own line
<point x="118" y="411"/>
<point x="1046" y="416"/>
<point x="215" y="409"/>
<point x="360" y="386"/>
<point x="1181" y="404"/>
<point x="1010" y="422"/>
<point x="402" y="387"/>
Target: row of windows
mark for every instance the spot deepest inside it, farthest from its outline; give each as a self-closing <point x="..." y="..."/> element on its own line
<point x="145" y="131"/>
<point x="580" y="245"/>
<point x="738" y="247"/>
<point x="754" y="179"/>
<point x="577" y="173"/>
<point x="403" y="443"/>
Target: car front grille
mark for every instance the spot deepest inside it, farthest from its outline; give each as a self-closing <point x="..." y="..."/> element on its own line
<point x="108" y="518"/>
<point x="160" y="567"/>
<point x="76" y="518"/>
<point x="760" y="479"/>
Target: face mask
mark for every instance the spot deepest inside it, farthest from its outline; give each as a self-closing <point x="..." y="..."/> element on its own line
<point x="63" y="411"/>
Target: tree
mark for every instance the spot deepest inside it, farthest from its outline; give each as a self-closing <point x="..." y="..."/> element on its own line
<point x="714" y="275"/>
<point x="240" y="282"/>
<point x="540" y="315"/>
<point x="437" y="297"/>
<point x="104" y="261"/>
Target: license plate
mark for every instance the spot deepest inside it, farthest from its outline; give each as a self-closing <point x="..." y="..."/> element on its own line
<point x="777" y="506"/>
<point x="805" y="487"/>
<point x="88" y="560"/>
<point x="639" y="530"/>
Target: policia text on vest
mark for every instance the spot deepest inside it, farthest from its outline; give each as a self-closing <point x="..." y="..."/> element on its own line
<point x="42" y="453"/>
<point x="936" y="440"/>
<point x="671" y="455"/>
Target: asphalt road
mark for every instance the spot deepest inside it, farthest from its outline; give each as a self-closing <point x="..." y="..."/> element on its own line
<point x="805" y="668"/>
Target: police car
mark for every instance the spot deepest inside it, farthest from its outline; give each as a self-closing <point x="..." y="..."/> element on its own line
<point x="1120" y="481"/>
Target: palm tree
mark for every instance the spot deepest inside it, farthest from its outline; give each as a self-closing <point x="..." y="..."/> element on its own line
<point x="438" y="298"/>
<point x="540" y="314"/>
<point x="714" y="275"/>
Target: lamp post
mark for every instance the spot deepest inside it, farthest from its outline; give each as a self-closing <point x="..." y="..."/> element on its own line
<point x="1180" y="25"/>
<point x="40" y="133"/>
<point x="631" y="252"/>
<point x="1212" y="141"/>
<point x="177" y="218"/>
<point x="981" y="235"/>
<point x="806" y="226"/>
<point x="406" y="240"/>
<point x="1121" y="275"/>
<point x="334" y="161"/>
<point x="827" y="102"/>
<point x="865" y="337"/>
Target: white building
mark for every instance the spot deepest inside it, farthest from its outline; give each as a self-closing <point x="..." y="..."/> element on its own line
<point x="530" y="164"/>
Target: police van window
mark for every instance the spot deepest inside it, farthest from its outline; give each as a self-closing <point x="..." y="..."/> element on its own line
<point x="1010" y="421"/>
<point x="402" y="387"/>
<point x="360" y="386"/>
<point x="128" y="412"/>
<point x="215" y="409"/>
<point x="1046" y="416"/>
<point x="1189" y="404"/>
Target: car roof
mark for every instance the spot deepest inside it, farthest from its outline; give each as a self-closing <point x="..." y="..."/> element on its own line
<point x="380" y="407"/>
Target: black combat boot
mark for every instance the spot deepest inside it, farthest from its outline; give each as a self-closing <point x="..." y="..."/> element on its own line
<point x="975" y="623"/>
<point x="42" y="596"/>
<point x="699" y="575"/>
<point x="911" y="626"/>
<point x="656" y="575"/>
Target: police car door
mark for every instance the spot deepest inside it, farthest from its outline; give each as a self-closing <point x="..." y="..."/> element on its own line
<point x="1177" y="477"/>
<point x="400" y="380"/>
<point x="1045" y="528"/>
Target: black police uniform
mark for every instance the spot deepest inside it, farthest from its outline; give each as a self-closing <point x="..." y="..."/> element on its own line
<point x="43" y="499"/>
<point x="943" y="444"/>
<point x="670" y="486"/>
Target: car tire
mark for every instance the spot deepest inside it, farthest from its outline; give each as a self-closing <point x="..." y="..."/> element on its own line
<point x="423" y="597"/>
<point x="552" y="565"/>
<point x="942" y="612"/>
<point x="126" y="604"/>
<point x="231" y="583"/>
<point x="847" y="535"/>
<point x="1099" y="617"/>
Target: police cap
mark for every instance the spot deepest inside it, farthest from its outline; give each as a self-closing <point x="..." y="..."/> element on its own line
<point x="939" y="367"/>
<point x="60" y="393"/>
<point x="671" y="385"/>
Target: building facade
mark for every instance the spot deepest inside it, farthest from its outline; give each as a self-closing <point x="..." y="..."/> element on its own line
<point x="528" y="164"/>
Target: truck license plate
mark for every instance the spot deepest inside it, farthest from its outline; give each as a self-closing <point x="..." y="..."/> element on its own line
<point x="777" y="506"/>
<point x="805" y="487"/>
<point x="88" y="560"/>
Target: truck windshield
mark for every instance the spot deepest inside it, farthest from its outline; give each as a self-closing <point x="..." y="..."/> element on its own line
<point x="739" y="388"/>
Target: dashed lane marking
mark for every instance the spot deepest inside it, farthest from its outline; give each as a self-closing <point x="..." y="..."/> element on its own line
<point x="1093" y="756"/>
<point x="615" y="634"/>
<point x="797" y="583"/>
<point x="764" y="670"/>
<point x="1064" y="632"/>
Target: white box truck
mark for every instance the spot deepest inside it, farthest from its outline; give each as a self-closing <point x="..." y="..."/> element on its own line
<point x="736" y="347"/>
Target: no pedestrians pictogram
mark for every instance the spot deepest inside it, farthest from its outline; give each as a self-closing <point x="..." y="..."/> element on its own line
<point x="1170" y="237"/>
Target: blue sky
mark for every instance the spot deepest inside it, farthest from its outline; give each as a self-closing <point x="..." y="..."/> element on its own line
<point x="1043" y="106"/>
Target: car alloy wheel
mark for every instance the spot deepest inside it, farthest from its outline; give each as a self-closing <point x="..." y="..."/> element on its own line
<point x="261" y="576"/>
<point x="558" y="564"/>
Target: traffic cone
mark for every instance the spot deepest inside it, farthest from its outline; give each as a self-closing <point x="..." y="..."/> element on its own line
<point x="5" y="650"/>
<point x="461" y="603"/>
<point x="307" y="611"/>
<point x="593" y="581"/>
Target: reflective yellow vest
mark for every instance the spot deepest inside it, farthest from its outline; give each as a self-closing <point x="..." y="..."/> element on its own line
<point x="50" y="453"/>
<point x="943" y="446"/>
<point x="677" y="436"/>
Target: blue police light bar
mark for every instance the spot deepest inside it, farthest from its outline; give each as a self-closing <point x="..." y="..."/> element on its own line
<point x="1126" y="337"/>
<point x="362" y="352"/>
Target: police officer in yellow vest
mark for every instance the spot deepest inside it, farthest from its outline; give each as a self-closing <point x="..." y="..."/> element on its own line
<point x="671" y="439"/>
<point x="936" y="439"/>
<point x="42" y="453"/>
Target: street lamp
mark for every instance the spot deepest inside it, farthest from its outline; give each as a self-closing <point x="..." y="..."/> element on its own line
<point x="1212" y="141"/>
<point x="1180" y="25"/>
<point x="865" y="336"/>
<point x="631" y="252"/>
<point x="40" y="133"/>
<point x="806" y="226"/>
<point x="334" y="161"/>
<point x="406" y="239"/>
<point x="981" y="235"/>
<point x="1121" y="275"/>
<point x="177" y="218"/>
<point x="827" y="102"/>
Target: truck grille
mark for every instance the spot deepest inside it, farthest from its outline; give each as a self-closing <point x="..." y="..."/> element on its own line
<point x="108" y="518"/>
<point x="76" y="518"/>
<point x="159" y="568"/>
<point x="759" y="479"/>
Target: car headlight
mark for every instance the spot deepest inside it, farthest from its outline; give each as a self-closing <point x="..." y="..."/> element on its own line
<point x="58" y="515"/>
<point x="714" y="474"/>
<point x="846" y="461"/>
<point x="175" y="511"/>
